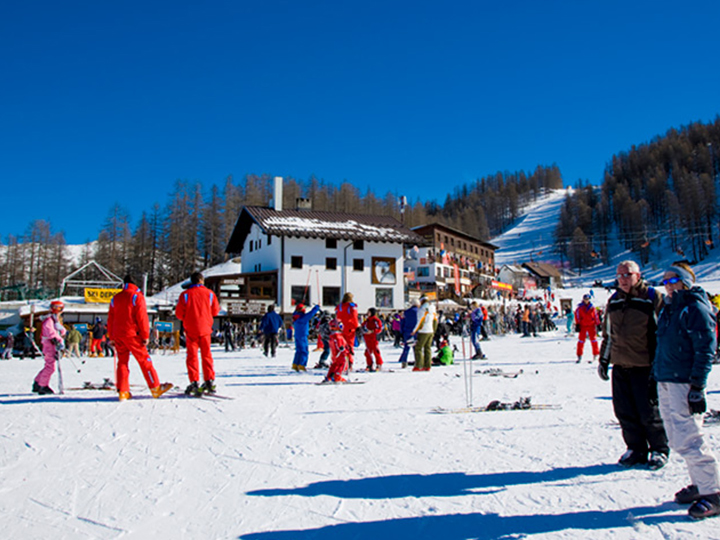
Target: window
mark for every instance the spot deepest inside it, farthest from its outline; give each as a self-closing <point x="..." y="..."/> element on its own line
<point x="383" y="298"/>
<point x="359" y="245"/>
<point x="330" y="243"/>
<point x="251" y="245"/>
<point x="296" y="261"/>
<point x="330" y="263"/>
<point x="423" y="271"/>
<point x="452" y="241"/>
<point x="300" y="295"/>
<point x="358" y="265"/>
<point x="269" y="237"/>
<point x="330" y="296"/>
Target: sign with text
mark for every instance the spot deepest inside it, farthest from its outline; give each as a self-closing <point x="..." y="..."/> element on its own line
<point x="164" y="326"/>
<point x="100" y="296"/>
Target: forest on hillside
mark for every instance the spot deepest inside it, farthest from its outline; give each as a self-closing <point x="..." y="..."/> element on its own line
<point x="659" y="195"/>
<point x="192" y="229"/>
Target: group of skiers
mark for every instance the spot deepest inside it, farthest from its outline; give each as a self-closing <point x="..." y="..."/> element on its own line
<point x="128" y="332"/>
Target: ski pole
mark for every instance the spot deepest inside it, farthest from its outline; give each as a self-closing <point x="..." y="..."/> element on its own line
<point x="61" y="388"/>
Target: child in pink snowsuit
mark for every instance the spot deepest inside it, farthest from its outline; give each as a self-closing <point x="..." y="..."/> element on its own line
<point x="52" y="343"/>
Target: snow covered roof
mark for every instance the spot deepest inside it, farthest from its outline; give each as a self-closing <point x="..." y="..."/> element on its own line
<point x="308" y="224"/>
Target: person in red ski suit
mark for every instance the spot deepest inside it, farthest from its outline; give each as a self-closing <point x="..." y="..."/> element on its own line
<point x="347" y="314"/>
<point x="128" y="330"/>
<point x="587" y="321"/>
<point x="52" y="345"/>
<point x="371" y="328"/>
<point x="338" y="349"/>
<point x="196" y="308"/>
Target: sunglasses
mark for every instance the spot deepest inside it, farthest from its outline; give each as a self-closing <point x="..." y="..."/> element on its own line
<point x="671" y="281"/>
<point x="626" y="275"/>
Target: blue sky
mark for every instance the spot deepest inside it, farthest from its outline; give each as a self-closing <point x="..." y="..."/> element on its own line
<point x="106" y="103"/>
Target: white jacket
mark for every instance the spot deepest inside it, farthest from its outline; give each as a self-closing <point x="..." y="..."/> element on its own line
<point x="426" y="319"/>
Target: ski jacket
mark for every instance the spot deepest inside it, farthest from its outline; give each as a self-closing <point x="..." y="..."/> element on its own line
<point x="52" y="329"/>
<point x="407" y="325"/>
<point x="476" y="318"/>
<point x="98" y="331"/>
<point x="686" y="339"/>
<point x="196" y="308"/>
<point x="301" y="325"/>
<point x="586" y="315"/>
<point x="629" y="327"/>
<point x="347" y="314"/>
<point x="373" y="325"/>
<point x="127" y="316"/>
<point x="271" y="323"/>
<point x="427" y="319"/>
<point x="74" y="336"/>
<point x="446" y="356"/>
<point x="338" y="344"/>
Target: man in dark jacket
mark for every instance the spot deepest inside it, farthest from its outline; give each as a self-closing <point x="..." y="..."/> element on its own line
<point x="629" y="344"/>
<point x="270" y="325"/>
<point x="406" y="327"/>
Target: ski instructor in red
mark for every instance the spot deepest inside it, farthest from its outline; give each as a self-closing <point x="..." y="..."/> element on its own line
<point x="196" y="308"/>
<point x="128" y="330"/>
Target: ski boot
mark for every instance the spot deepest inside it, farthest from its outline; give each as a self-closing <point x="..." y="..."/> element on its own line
<point x="193" y="390"/>
<point x="208" y="387"/>
<point x="124" y="396"/>
<point x="36" y="387"/>
<point x="44" y="390"/>
<point x="160" y="389"/>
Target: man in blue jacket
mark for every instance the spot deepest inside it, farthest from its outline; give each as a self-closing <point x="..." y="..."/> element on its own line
<point x="270" y="325"/>
<point x="301" y="329"/>
<point x="407" y="325"/>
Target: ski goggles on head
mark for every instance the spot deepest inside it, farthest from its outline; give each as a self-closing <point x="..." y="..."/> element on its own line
<point x="671" y="281"/>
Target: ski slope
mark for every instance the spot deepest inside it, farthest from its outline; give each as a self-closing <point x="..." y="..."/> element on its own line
<point x="289" y="459"/>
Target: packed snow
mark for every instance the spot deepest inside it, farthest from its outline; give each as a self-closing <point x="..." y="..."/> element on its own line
<point x="286" y="458"/>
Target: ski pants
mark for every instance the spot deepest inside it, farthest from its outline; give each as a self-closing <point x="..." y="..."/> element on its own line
<point x="637" y="411"/>
<point x="50" y="353"/>
<point x="686" y="438"/>
<point x="302" y="352"/>
<point x="407" y="345"/>
<point x="270" y="344"/>
<point x="372" y="349"/>
<point x="338" y="366"/>
<point x="138" y="349"/>
<point x="325" y="349"/>
<point x="423" y="351"/>
<point x="475" y="334"/>
<point x="350" y="346"/>
<point x="203" y="342"/>
<point x="96" y="346"/>
<point x="589" y="332"/>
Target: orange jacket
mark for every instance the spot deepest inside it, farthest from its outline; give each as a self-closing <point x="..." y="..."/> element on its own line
<point x="196" y="308"/>
<point x="127" y="316"/>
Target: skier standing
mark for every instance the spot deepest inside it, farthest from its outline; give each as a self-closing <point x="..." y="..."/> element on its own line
<point x="347" y="314"/>
<point x="129" y="332"/>
<point x="587" y="321"/>
<point x="372" y="327"/>
<point x="196" y="308"/>
<point x="424" y="329"/>
<point x="301" y="329"/>
<point x="407" y="326"/>
<point x="270" y="325"/>
<point x="52" y="333"/>
<point x="476" y="323"/>
<point x="98" y="333"/>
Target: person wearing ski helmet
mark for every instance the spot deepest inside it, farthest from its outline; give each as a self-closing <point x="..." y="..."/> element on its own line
<point x="338" y="349"/>
<point x="301" y="330"/>
<point x="587" y="322"/>
<point x="52" y="334"/>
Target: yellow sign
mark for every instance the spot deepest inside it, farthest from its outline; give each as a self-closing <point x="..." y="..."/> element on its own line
<point x="100" y="296"/>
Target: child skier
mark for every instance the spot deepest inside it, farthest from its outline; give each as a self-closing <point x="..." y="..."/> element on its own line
<point x="339" y="350"/>
<point x="371" y="328"/>
<point x="52" y="344"/>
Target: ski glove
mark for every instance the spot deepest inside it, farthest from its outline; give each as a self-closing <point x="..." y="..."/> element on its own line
<point x="603" y="366"/>
<point x="696" y="400"/>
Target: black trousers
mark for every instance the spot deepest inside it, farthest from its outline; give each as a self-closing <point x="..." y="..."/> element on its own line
<point x="637" y="411"/>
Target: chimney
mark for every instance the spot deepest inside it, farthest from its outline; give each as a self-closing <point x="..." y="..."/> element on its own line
<point x="277" y="202"/>
<point x="303" y="204"/>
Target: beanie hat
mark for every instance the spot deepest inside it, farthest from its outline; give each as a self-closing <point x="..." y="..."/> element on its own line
<point x="687" y="276"/>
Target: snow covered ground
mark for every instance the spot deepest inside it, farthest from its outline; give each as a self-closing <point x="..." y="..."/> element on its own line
<point x="286" y="459"/>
